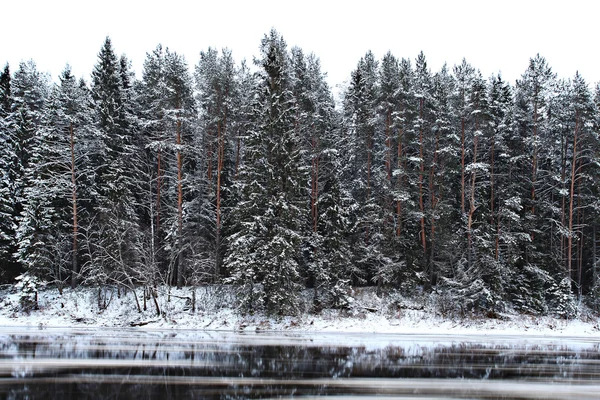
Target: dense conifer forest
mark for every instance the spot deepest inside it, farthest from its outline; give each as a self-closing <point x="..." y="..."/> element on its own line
<point x="482" y="192"/>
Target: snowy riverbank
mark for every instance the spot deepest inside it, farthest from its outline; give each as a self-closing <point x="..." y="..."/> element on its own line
<point x="87" y="307"/>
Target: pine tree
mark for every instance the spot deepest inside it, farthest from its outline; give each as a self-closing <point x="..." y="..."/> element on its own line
<point x="217" y="98"/>
<point x="583" y="150"/>
<point x="327" y="263"/>
<point x="366" y="174"/>
<point x="263" y="254"/>
<point x="503" y="206"/>
<point x="48" y="234"/>
<point x="533" y="92"/>
<point x="7" y="212"/>
<point x="443" y="210"/>
<point x="180" y="115"/>
<point x="420" y="146"/>
<point x="113" y="239"/>
<point x="151" y="104"/>
<point x="28" y="91"/>
<point x="529" y="164"/>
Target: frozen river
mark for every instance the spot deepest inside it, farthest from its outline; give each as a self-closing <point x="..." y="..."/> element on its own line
<point x="145" y="364"/>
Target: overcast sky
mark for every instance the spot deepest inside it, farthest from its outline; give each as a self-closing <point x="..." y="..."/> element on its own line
<point x="499" y="36"/>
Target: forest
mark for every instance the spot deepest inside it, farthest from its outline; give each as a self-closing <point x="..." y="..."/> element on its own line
<point x="251" y="175"/>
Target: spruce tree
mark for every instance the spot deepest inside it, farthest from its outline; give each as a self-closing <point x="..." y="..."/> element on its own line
<point x="218" y="97"/>
<point x="114" y="239"/>
<point x="327" y="262"/>
<point x="7" y="212"/>
<point x="28" y="91"/>
<point x="263" y="254"/>
<point x="52" y="215"/>
<point x="443" y="210"/>
<point x="532" y="129"/>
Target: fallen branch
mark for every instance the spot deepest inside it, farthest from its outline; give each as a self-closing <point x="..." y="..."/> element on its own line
<point x="142" y="323"/>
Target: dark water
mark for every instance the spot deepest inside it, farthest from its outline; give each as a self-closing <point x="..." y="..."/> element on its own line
<point x="47" y="364"/>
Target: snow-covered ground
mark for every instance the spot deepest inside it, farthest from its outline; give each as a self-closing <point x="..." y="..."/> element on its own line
<point x="368" y="314"/>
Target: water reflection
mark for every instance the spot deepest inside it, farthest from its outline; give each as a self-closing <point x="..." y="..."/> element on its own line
<point x="129" y="364"/>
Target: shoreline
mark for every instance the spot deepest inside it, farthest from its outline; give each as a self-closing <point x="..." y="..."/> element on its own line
<point x="78" y="309"/>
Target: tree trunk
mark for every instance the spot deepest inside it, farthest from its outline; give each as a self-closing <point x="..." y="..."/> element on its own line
<point x="535" y="152"/>
<point x="563" y="212"/>
<point x="594" y="257"/>
<point x="369" y="155"/>
<point x="158" y="188"/>
<point x="220" y="154"/>
<point x="462" y="165"/>
<point x="221" y="132"/>
<point x="388" y="146"/>
<point x="314" y="182"/>
<point x="237" y="156"/>
<point x="422" y="172"/>
<point x="399" y="184"/>
<point x="571" y="198"/>
<point x="472" y="206"/>
<point x="492" y="179"/>
<point x="74" y="266"/>
<point x="178" y="266"/>
<point x="580" y="219"/>
<point x="434" y="202"/>
<point x="209" y="152"/>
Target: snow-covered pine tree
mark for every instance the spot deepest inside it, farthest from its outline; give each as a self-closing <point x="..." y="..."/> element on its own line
<point x="503" y="208"/>
<point x="389" y="110"/>
<point x="420" y="148"/>
<point x="150" y="103"/>
<point x="474" y="272"/>
<point x="405" y="182"/>
<point x="533" y="92"/>
<point x="443" y="209"/>
<point x="113" y="239"/>
<point x="29" y="89"/>
<point x="582" y="197"/>
<point x="326" y="258"/>
<point x="48" y="233"/>
<point x="218" y="98"/>
<point x="593" y="296"/>
<point x="8" y="269"/>
<point x="366" y="174"/>
<point x="263" y="253"/>
<point x="181" y="129"/>
<point x="532" y="129"/>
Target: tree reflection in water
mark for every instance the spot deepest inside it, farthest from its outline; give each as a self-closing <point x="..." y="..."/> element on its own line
<point x="147" y="365"/>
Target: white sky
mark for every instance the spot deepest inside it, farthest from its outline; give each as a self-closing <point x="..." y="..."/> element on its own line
<point x="492" y="36"/>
